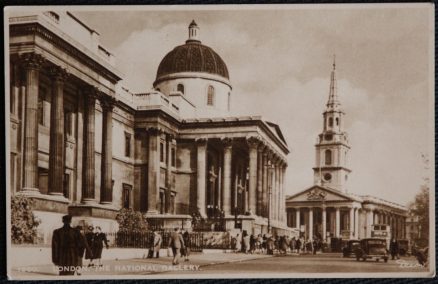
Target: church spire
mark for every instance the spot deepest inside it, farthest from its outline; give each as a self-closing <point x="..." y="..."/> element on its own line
<point x="333" y="102"/>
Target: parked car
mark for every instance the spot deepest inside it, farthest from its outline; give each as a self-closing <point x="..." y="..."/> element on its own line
<point x="372" y="248"/>
<point x="404" y="247"/>
<point x="350" y="248"/>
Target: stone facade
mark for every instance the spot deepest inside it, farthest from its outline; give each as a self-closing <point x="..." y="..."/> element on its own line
<point x="83" y="144"/>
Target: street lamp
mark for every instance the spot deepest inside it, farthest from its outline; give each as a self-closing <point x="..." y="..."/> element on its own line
<point x="270" y="169"/>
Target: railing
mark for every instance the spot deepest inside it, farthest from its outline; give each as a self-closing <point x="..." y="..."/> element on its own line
<point x="197" y="240"/>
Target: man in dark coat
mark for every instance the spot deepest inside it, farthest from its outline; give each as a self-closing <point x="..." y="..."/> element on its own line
<point x="393" y="248"/>
<point x="66" y="243"/>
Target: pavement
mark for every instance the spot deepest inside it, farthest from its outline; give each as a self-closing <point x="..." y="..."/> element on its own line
<point x="140" y="266"/>
<point x="225" y="265"/>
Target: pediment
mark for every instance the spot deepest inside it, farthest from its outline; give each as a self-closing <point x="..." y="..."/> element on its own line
<point x="319" y="193"/>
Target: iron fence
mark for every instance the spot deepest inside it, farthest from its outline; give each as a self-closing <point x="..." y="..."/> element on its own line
<point x="197" y="240"/>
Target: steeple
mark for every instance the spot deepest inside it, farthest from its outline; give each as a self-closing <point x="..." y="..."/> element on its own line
<point x="332" y="147"/>
<point x="193" y="33"/>
<point x="333" y="101"/>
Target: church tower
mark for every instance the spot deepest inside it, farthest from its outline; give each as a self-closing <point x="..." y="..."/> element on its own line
<point x="332" y="148"/>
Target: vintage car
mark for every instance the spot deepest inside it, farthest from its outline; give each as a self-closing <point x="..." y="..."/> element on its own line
<point x="403" y="247"/>
<point x="372" y="248"/>
<point x="350" y="248"/>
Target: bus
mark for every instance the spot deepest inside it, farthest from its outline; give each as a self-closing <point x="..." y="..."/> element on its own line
<point x="382" y="231"/>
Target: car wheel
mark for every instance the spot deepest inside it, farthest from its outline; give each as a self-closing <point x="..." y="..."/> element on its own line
<point x="386" y="259"/>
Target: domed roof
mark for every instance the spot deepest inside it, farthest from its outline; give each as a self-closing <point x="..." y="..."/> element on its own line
<point x="192" y="57"/>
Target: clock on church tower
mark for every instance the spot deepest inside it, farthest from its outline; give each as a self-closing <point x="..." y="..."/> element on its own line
<point x="331" y="169"/>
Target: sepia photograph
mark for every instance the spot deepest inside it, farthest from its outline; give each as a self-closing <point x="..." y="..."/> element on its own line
<point x="220" y="141"/>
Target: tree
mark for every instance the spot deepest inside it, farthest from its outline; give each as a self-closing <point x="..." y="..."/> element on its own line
<point x="420" y="206"/>
<point x="131" y="221"/>
<point x="23" y="222"/>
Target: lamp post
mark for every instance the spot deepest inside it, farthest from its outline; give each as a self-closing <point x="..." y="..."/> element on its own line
<point x="270" y="169"/>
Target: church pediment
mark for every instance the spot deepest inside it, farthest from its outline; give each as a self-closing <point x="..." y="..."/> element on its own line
<point x="318" y="193"/>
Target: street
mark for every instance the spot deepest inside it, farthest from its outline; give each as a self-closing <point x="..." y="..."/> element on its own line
<point x="240" y="265"/>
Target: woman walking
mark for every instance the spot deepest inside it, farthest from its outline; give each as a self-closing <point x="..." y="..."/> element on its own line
<point x="89" y="237"/>
<point x="99" y="240"/>
<point x="186" y="238"/>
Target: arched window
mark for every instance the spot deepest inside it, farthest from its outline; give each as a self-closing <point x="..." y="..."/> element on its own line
<point x="210" y="96"/>
<point x="330" y="121"/>
<point x="337" y="121"/>
<point x="180" y="88"/>
<point x="328" y="157"/>
<point x="229" y="101"/>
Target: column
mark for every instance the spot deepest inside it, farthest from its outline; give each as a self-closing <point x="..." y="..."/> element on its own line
<point x="56" y="156"/>
<point x="201" y="175"/>
<point x="280" y="192"/>
<point x="227" y="175"/>
<point x="260" y="168"/>
<point x="32" y="63"/>
<point x="106" y="184"/>
<point x="283" y="178"/>
<point x="324" y="223"/>
<point x="168" y="192"/>
<point x="356" y="223"/>
<point x="338" y="223"/>
<point x="153" y="170"/>
<point x="265" y="184"/>
<point x="297" y="216"/>
<point x="351" y="221"/>
<point x="88" y="162"/>
<point x="310" y="223"/>
<point x="369" y="222"/>
<point x="252" y="190"/>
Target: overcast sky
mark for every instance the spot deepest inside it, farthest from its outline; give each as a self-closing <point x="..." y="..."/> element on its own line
<point x="280" y="61"/>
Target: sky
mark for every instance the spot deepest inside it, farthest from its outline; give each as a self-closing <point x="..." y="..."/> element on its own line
<point x="280" y="59"/>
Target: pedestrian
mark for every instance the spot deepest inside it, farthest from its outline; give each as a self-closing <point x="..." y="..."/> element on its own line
<point x="157" y="244"/>
<point x="97" y="247"/>
<point x="270" y="245"/>
<point x="246" y="240"/>
<point x="176" y="242"/>
<point x="259" y="243"/>
<point x="293" y="245"/>
<point x="83" y="246"/>
<point x="298" y="245"/>
<point x="252" y="243"/>
<point x="186" y="238"/>
<point x="238" y="243"/>
<point x="314" y="246"/>
<point x="66" y="243"/>
<point x="89" y="237"/>
<point x="264" y="243"/>
<point x="393" y="248"/>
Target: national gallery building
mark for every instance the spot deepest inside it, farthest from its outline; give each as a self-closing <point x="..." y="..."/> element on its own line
<point x="327" y="210"/>
<point x="81" y="143"/>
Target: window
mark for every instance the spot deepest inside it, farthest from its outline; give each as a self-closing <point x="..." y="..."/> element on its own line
<point x="328" y="157"/>
<point x="331" y="121"/>
<point x="180" y="88"/>
<point x="162" y="152"/>
<point x="66" y="183"/>
<point x="41" y="107"/>
<point x="68" y="122"/>
<point x="229" y="101"/>
<point x="162" y="198"/>
<point x="337" y="121"/>
<point x="127" y="145"/>
<point x="173" y="153"/>
<point x="126" y="196"/>
<point x="210" y="96"/>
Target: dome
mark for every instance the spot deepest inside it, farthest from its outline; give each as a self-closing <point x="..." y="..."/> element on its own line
<point x="192" y="56"/>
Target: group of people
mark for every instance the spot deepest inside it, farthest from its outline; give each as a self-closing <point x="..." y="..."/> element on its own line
<point x="70" y="244"/>
<point x="179" y="244"/>
<point x="269" y="244"/>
